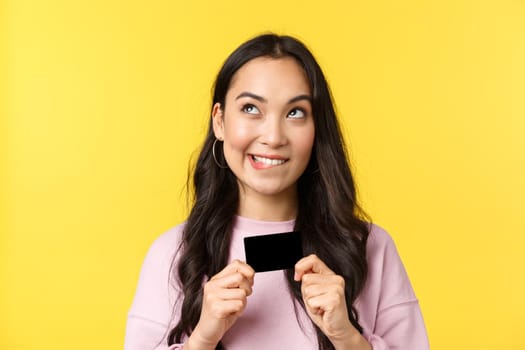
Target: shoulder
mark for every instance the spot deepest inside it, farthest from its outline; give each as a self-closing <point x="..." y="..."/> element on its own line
<point x="379" y="242"/>
<point x="167" y="244"/>
<point x="387" y="278"/>
<point x="154" y="293"/>
<point x="380" y="248"/>
<point x="161" y="253"/>
<point x="378" y="235"/>
<point x="387" y="305"/>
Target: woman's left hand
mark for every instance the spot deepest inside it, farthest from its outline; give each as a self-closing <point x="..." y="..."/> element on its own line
<point x="324" y="297"/>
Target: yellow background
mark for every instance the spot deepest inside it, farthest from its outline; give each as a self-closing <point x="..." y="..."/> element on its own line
<point x="103" y="102"/>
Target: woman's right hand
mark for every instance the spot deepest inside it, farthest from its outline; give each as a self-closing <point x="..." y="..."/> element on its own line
<point x="223" y="301"/>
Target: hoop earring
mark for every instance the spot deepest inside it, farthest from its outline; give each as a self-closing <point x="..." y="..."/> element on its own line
<point x="215" y="158"/>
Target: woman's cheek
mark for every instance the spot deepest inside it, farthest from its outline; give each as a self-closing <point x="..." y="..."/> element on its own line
<point x="305" y="141"/>
<point x="240" y="135"/>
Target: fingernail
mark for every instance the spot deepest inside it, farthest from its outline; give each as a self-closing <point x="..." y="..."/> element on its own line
<point x="296" y="276"/>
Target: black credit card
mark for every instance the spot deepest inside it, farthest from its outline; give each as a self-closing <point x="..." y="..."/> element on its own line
<point x="272" y="252"/>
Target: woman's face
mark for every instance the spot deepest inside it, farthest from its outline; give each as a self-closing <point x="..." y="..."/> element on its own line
<point x="267" y="126"/>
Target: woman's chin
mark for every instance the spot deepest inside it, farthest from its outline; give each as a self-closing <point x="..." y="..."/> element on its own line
<point x="269" y="190"/>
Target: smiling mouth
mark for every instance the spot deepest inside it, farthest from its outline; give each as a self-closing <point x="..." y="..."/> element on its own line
<point x="268" y="161"/>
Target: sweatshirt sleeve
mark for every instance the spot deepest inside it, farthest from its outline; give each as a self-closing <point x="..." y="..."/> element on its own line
<point x="388" y="307"/>
<point x="150" y="317"/>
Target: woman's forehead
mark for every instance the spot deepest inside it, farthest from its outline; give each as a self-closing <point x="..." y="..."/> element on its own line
<point x="270" y="77"/>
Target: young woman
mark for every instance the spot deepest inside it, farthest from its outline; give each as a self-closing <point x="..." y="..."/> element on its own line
<point x="274" y="161"/>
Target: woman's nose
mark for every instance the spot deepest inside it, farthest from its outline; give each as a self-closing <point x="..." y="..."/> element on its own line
<point x="273" y="132"/>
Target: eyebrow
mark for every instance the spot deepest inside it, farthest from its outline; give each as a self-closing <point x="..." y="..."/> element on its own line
<point x="300" y="98"/>
<point x="262" y="99"/>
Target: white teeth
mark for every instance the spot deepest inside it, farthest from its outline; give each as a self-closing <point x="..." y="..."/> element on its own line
<point x="268" y="161"/>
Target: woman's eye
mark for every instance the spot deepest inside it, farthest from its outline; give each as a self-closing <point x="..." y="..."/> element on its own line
<point x="250" y="109"/>
<point x="297" y="113"/>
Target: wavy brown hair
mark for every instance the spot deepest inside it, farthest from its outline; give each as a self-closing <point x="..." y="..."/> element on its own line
<point x="331" y="223"/>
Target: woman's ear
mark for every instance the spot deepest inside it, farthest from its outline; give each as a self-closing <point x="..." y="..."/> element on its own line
<point x="218" y="121"/>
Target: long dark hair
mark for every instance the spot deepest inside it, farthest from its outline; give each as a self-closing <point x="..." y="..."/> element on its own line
<point x="332" y="224"/>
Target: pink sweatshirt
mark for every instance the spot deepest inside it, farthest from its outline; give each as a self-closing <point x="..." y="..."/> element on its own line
<point x="388" y="309"/>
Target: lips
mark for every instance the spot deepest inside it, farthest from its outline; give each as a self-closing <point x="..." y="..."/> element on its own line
<point x="264" y="161"/>
<point x="268" y="161"/>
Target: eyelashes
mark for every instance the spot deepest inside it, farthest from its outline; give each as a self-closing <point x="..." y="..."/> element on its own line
<point x="297" y="113"/>
<point x="294" y="113"/>
<point x="250" y="109"/>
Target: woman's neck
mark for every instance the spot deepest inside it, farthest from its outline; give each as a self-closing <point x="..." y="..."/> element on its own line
<point x="279" y="207"/>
